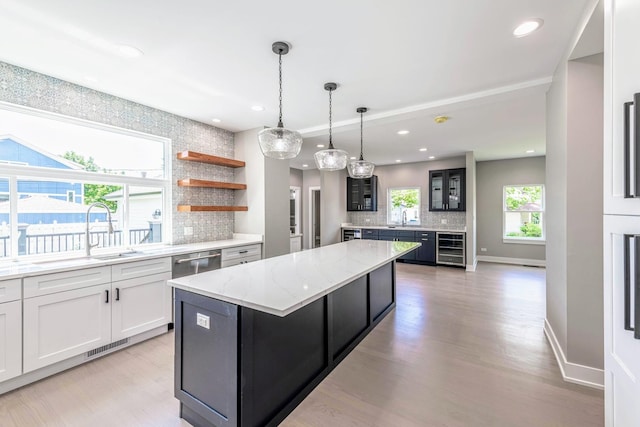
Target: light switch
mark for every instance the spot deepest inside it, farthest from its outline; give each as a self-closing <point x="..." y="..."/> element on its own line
<point x="202" y="320"/>
<point x="443" y="221"/>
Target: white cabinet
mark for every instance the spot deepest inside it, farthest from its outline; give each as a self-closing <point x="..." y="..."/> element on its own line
<point x="296" y="244"/>
<point x="140" y="304"/>
<point x="241" y="255"/>
<point x="77" y="319"/>
<point x="622" y="214"/>
<point x="10" y="329"/>
<point x="64" y="324"/>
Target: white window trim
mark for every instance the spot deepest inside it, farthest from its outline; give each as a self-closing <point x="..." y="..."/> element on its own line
<point x="389" y="204"/>
<point x="518" y="239"/>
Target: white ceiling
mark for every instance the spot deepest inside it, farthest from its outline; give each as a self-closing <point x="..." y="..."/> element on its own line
<point x="407" y="60"/>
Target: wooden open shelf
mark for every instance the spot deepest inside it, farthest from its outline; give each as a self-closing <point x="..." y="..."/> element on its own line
<point x="192" y="208"/>
<point x="194" y="156"/>
<point x="190" y="182"/>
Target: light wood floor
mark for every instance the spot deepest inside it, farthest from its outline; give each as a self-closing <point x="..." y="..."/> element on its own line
<point x="461" y="349"/>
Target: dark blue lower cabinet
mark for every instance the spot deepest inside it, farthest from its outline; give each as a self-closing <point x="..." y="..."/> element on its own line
<point x="427" y="252"/>
<point x="250" y="368"/>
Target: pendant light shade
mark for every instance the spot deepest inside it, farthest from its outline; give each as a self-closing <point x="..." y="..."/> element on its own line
<point x="278" y="142"/>
<point x="360" y="169"/>
<point x="331" y="159"/>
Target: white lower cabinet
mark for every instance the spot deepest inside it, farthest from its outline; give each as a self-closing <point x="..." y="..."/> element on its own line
<point x="61" y="325"/>
<point x="140" y="304"/>
<point x="64" y="324"/>
<point x="240" y="255"/>
<point x="10" y="340"/>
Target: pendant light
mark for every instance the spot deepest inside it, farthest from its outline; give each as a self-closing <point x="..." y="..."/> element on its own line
<point x="331" y="159"/>
<point x="278" y="142"/>
<point x="360" y="169"/>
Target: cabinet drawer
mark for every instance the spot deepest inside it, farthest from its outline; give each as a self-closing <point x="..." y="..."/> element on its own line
<point x="241" y="252"/>
<point x="65" y="281"/>
<point x="405" y="236"/>
<point x="425" y="236"/>
<point x="369" y="234"/>
<point x="386" y="233"/>
<point x="131" y="270"/>
<point x="10" y="290"/>
<point x="236" y="261"/>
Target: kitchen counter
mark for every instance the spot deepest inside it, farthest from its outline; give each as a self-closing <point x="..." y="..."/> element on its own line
<point x="407" y="228"/>
<point x="19" y="269"/>
<point x="283" y="284"/>
<point x="253" y="340"/>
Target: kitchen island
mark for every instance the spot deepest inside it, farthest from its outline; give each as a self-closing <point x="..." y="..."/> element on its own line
<point x="253" y="340"/>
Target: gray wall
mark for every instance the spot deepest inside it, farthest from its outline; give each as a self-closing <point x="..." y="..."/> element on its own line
<point x="295" y="177"/>
<point x="584" y="211"/>
<point x="24" y="87"/>
<point x="333" y="206"/>
<point x="492" y="176"/>
<point x="310" y="178"/>
<point x="471" y="207"/>
<point x="267" y="195"/>
<point x="410" y="175"/>
<point x="574" y="210"/>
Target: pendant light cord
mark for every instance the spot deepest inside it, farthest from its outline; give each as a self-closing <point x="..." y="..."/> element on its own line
<point x="280" y="125"/>
<point x="361" y="119"/>
<point x="330" y="136"/>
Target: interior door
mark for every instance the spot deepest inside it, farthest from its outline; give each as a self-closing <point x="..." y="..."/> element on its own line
<point x="622" y="320"/>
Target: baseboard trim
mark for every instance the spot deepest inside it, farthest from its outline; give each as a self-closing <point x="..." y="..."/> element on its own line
<point x="517" y="261"/>
<point x="573" y="372"/>
<point x="472" y="267"/>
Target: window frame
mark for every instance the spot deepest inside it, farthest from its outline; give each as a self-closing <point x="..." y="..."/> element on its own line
<point x="542" y="211"/>
<point x="389" y="207"/>
<point x="15" y="172"/>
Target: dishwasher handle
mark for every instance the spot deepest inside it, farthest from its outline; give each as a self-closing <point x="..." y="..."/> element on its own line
<point x="183" y="260"/>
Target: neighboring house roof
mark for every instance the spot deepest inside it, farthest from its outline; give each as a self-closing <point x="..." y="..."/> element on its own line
<point x="5" y="156"/>
<point x="133" y="192"/>
<point x="44" y="204"/>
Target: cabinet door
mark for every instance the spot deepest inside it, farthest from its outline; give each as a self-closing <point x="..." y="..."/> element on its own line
<point x="370" y="234"/>
<point x="437" y="190"/>
<point x="622" y="320"/>
<point x="65" y="324"/>
<point x="140" y="304"/>
<point x="369" y="191"/>
<point x="10" y="340"/>
<point x="455" y="190"/>
<point x="427" y="252"/>
<point x="354" y="194"/>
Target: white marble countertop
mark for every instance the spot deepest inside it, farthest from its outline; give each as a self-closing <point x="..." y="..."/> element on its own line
<point x="18" y="269"/>
<point x="282" y="285"/>
<point x="407" y="228"/>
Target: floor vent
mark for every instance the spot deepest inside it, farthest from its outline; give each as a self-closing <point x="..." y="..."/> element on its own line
<point x="107" y="347"/>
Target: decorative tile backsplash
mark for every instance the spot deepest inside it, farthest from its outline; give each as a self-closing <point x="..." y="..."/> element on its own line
<point x="28" y="88"/>
<point x="455" y="220"/>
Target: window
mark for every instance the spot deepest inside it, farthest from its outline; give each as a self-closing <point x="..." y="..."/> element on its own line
<point x="523" y="219"/>
<point x="55" y="167"/>
<point x="403" y="206"/>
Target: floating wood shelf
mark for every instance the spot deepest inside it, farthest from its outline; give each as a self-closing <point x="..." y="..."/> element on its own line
<point x="191" y="208"/>
<point x="189" y="182"/>
<point x="207" y="158"/>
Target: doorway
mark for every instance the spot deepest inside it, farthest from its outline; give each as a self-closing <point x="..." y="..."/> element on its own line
<point x="314" y="217"/>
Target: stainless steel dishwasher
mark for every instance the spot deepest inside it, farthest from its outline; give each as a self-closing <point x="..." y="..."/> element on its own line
<point x="195" y="262"/>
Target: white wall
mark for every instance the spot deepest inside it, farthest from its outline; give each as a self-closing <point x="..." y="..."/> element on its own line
<point x="471" y="207"/>
<point x="333" y="206"/>
<point x="310" y="178"/>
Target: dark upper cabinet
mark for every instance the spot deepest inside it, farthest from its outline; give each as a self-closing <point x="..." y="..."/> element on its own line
<point x="447" y="190"/>
<point x="362" y="194"/>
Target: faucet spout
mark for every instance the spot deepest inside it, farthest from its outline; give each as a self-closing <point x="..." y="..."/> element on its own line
<point x="88" y="245"/>
<point x="404" y="218"/>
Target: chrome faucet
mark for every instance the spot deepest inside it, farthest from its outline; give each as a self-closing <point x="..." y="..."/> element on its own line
<point x="88" y="244"/>
<point x="404" y="218"/>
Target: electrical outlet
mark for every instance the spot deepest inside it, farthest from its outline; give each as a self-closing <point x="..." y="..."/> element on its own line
<point x="483" y="249"/>
<point x="367" y="220"/>
<point x="443" y="221"/>
<point x="188" y="231"/>
<point x="202" y="320"/>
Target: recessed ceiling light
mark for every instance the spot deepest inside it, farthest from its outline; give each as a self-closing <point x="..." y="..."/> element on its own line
<point x="432" y="157"/>
<point x="441" y="119"/>
<point x="530" y="151"/>
<point x="216" y="120"/>
<point x="528" y="27"/>
<point x="423" y="149"/>
<point x="129" y="51"/>
<point x="257" y="108"/>
<point x="305" y="165"/>
<point x="403" y="132"/>
<point x="398" y="161"/>
<point x="320" y="145"/>
<point x="352" y="158"/>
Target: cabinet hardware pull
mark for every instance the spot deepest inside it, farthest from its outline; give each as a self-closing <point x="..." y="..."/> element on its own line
<point x="243" y="252"/>
<point x="117" y="294"/>
<point x="627" y="284"/>
<point x="628" y="159"/>
<point x="107" y="300"/>
<point x="182" y="260"/>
